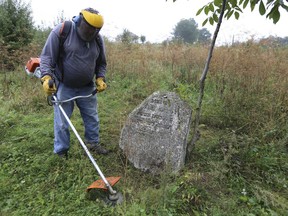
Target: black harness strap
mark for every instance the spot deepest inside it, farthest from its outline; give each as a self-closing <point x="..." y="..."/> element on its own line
<point x="64" y="32"/>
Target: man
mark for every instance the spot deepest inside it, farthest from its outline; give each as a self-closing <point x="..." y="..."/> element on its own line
<point x="72" y="67"/>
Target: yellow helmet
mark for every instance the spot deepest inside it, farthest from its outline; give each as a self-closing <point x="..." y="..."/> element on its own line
<point x="93" y="17"/>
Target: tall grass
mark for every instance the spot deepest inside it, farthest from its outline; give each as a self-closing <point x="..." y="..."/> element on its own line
<point x="251" y="84"/>
<point x="238" y="167"/>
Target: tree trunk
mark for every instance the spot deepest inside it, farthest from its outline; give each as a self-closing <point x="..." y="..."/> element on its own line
<point x="196" y="133"/>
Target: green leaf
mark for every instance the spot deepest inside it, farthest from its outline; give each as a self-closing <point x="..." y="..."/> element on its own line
<point x="276" y="16"/>
<point x="205" y="21"/>
<point x="215" y="17"/>
<point x="229" y="14"/>
<point x="211" y="7"/>
<point x="233" y="3"/>
<point x="226" y="14"/>
<point x="218" y="3"/>
<point x="228" y="7"/>
<point x="199" y="11"/>
<point x="211" y="21"/>
<point x="285" y="7"/>
<point x="206" y="10"/>
<point x="236" y="14"/>
<point x="238" y="9"/>
<point x="262" y="9"/>
<point x="245" y="3"/>
<point x="252" y="5"/>
<point x="269" y="3"/>
<point x="243" y="198"/>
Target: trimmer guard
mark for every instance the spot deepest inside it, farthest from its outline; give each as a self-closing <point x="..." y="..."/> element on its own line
<point x="99" y="184"/>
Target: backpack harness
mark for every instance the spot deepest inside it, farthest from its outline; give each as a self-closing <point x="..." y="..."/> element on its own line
<point x="64" y="32"/>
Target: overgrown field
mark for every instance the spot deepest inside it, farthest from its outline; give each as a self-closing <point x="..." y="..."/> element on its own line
<point x="238" y="167"/>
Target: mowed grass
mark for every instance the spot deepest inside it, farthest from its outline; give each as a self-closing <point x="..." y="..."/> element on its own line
<point x="238" y="167"/>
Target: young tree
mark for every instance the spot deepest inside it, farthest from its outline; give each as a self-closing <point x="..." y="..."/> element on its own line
<point x="217" y="10"/>
<point x="16" y="31"/>
<point x="16" y="23"/>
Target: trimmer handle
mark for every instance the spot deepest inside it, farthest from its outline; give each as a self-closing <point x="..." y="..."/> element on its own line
<point x="51" y="83"/>
<point x="49" y="98"/>
<point x="53" y="99"/>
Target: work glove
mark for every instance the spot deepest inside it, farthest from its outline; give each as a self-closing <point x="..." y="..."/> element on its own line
<point x="100" y="84"/>
<point x="49" y="88"/>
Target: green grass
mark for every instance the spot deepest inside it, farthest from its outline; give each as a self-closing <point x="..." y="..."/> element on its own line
<point x="238" y="167"/>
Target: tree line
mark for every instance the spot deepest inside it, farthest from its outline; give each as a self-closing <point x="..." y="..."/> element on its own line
<point x="18" y="31"/>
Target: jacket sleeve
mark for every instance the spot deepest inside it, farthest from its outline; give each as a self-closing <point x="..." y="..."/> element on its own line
<point x="49" y="54"/>
<point x="101" y="63"/>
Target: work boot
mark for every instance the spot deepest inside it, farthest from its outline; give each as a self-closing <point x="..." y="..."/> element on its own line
<point x="98" y="149"/>
<point x="63" y="155"/>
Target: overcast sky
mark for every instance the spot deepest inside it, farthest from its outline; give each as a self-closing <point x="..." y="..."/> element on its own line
<point x="155" y="19"/>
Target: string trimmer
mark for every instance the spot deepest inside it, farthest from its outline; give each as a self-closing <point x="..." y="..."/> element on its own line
<point x="32" y="68"/>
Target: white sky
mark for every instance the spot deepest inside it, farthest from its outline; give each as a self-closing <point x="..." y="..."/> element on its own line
<point x="155" y="19"/>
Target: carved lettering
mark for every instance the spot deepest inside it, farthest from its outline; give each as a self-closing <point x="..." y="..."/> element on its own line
<point x="151" y="135"/>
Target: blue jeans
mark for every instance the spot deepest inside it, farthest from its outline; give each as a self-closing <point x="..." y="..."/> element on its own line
<point x="88" y="111"/>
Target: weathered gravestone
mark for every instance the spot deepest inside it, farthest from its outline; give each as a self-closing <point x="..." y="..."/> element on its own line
<point x="155" y="135"/>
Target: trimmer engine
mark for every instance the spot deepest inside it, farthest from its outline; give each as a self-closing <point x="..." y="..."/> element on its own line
<point x="32" y="67"/>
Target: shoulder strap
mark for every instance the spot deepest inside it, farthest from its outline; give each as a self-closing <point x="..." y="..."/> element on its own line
<point x="99" y="42"/>
<point x="64" y="31"/>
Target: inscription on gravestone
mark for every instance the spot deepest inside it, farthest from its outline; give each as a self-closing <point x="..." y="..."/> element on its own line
<point x="154" y="136"/>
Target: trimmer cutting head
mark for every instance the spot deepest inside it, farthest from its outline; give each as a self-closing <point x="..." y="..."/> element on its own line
<point x="113" y="198"/>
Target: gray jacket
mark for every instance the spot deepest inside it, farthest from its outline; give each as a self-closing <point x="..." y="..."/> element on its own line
<point x="81" y="60"/>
